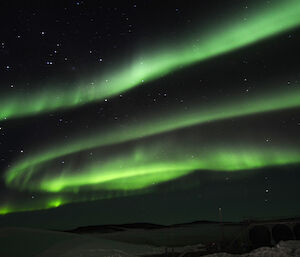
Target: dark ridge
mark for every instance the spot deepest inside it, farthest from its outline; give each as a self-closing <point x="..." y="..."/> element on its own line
<point x="115" y="228"/>
<point x="143" y="225"/>
<point x="151" y="226"/>
<point x="96" y="229"/>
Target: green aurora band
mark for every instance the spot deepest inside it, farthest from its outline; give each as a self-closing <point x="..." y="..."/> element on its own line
<point x="54" y="201"/>
<point x="263" y="23"/>
<point x="162" y="123"/>
<point x="11" y="208"/>
<point x="139" y="169"/>
<point x="146" y="166"/>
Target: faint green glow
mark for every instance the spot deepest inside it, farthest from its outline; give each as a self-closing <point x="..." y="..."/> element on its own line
<point x="5" y="210"/>
<point x="44" y="204"/>
<point x="236" y="33"/>
<point x="55" y="203"/>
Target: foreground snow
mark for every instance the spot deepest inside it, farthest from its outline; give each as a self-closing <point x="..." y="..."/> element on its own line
<point x="25" y="242"/>
<point x="283" y="249"/>
<point x="17" y="242"/>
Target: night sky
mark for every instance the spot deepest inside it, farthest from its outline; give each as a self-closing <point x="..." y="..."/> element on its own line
<point x="148" y="111"/>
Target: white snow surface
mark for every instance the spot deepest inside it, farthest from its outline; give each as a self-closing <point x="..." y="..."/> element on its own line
<point x="283" y="249"/>
<point x="23" y="242"/>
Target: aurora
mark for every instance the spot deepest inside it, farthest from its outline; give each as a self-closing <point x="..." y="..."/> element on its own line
<point x="162" y="123"/>
<point x="155" y="63"/>
<point x="190" y="126"/>
<point x="142" y="166"/>
<point x="139" y="170"/>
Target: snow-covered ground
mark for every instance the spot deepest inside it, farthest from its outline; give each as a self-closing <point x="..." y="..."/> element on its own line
<point x="189" y="234"/>
<point x="283" y="249"/>
<point x="23" y="242"/>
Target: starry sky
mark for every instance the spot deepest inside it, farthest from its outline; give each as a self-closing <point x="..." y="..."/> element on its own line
<point x="148" y="111"/>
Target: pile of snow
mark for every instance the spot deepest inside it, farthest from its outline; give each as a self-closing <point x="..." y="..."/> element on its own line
<point x="283" y="249"/>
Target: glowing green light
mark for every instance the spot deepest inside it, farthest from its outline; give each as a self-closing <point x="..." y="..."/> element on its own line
<point x="127" y="173"/>
<point x="41" y="204"/>
<point x="134" y="175"/>
<point x="163" y="122"/>
<point x="55" y="203"/>
<point x="5" y="210"/>
<point x="141" y="169"/>
<point x="236" y="33"/>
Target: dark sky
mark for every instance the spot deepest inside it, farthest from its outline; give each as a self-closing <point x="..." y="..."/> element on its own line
<point x="193" y="135"/>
